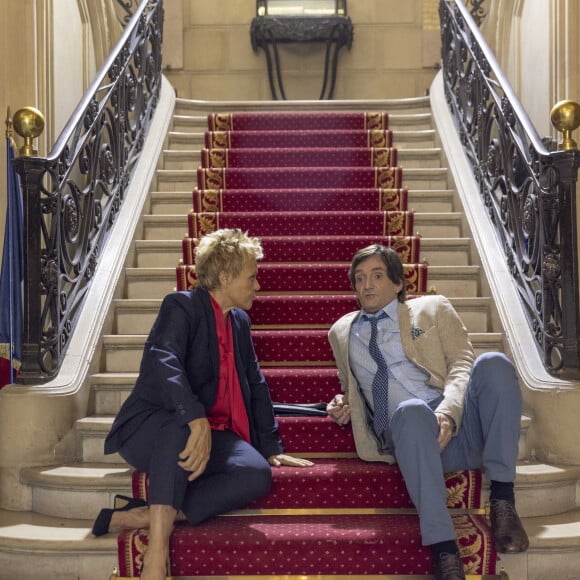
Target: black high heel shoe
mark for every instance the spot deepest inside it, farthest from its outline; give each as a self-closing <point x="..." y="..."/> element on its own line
<point x="103" y="521"/>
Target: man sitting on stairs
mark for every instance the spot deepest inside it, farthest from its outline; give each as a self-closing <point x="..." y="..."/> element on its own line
<point x="416" y="395"/>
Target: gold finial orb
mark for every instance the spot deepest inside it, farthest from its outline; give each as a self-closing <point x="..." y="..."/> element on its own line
<point x="565" y="117"/>
<point x="28" y="123"/>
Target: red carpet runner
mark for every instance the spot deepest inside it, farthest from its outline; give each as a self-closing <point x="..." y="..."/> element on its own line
<point x="343" y="515"/>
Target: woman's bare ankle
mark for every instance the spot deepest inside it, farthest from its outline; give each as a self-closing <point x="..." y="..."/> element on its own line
<point x="130" y="520"/>
<point x="154" y="564"/>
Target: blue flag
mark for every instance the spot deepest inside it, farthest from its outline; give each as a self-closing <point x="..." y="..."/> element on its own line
<point x="11" y="277"/>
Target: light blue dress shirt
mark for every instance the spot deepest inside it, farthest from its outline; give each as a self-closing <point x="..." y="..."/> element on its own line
<point x="406" y="380"/>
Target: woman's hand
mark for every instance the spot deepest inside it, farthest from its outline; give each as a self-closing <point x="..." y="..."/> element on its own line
<point x="282" y="459"/>
<point x="339" y="410"/>
<point x="195" y="456"/>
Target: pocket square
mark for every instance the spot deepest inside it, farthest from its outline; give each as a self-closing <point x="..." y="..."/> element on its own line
<point x="416" y="331"/>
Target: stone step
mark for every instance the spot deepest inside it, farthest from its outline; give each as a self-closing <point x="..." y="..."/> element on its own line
<point x="426" y="225"/>
<point x="419" y="104"/>
<point x="189" y="159"/>
<point x="420" y="121"/>
<point x="434" y="251"/>
<point x="136" y="316"/>
<point x="177" y="141"/>
<point x="32" y="542"/>
<point x="34" y="546"/>
<point x="122" y="353"/>
<point x="91" y="486"/>
<point x="111" y="389"/>
<point x="451" y="281"/>
<point x="420" y="200"/>
<point x="413" y="178"/>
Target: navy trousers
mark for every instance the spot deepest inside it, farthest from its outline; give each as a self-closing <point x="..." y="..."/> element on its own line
<point x="488" y="439"/>
<point x="236" y="474"/>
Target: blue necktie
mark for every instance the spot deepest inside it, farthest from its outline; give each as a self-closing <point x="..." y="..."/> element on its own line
<point x="380" y="387"/>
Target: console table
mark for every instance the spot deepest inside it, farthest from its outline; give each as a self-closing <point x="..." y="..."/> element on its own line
<point x="268" y="31"/>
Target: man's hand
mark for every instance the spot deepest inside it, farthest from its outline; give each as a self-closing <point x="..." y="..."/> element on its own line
<point x="195" y="456"/>
<point x="282" y="459"/>
<point x="446" y="428"/>
<point x="339" y="410"/>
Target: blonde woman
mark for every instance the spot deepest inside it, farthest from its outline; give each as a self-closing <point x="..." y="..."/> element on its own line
<point x="199" y="420"/>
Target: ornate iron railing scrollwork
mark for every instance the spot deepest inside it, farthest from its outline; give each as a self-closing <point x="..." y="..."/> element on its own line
<point x="128" y="7"/>
<point x="476" y="9"/>
<point x="529" y="191"/>
<point x="73" y="196"/>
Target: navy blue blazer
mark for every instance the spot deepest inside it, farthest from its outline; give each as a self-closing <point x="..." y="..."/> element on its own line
<point x="180" y="371"/>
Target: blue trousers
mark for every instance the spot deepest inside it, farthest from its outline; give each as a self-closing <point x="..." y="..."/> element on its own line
<point x="236" y="473"/>
<point x="488" y="439"/>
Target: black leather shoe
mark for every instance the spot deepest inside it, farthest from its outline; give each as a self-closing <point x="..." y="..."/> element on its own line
<point x="508" y="533"/>
<point x="103" y="521"/>
<point x="449" y="567"/>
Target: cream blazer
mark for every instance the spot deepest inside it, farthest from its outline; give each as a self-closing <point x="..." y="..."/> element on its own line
<point x="435" y="339"/>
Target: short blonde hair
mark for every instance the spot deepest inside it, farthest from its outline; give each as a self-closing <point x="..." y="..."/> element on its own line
<point x="226" y="250"/>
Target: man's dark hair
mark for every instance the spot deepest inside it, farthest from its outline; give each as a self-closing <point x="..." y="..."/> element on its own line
<point x="391" y="260"/>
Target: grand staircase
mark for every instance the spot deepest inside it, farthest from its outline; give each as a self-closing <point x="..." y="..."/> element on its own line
<point x="55" y="538"/>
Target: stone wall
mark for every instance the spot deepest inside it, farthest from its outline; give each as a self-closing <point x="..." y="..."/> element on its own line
<point x="209" y="54"/>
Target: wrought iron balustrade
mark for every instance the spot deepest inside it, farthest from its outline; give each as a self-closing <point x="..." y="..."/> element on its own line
<point x="73" y="196"/>
<point x="528" y="189"/>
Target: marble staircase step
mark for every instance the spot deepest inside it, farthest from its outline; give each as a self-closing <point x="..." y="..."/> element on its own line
<point x="185" y="121"/>
<point x="32" y="542"/>
<point x="34" y="546"/>
<point x="136" y="316"/>
<point x="420" y="200"/>
<point x="426" y="225"/>
<point x="122" y="353"/>
<point x="408" y="158"/>
<point x="80" y="490"/>
<point x="179" y="140"/>
<point x="434" y="251"/>
<point x="420" y="104"/>
<point x="413" y="178"/>
<point x="451" y="281"/>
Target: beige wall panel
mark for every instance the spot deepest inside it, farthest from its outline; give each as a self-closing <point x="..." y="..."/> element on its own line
<point x="431" y="49"/>
<point x="395" y="11"/>
<point x="224" y="87"/>
<point x="205" y="49"/>
<point x="536" y="66"/>
<point x="69" y="61"/>
<point x="362" y="10"/>
<point x="18" y="83"/>
<point x="214" y="12"/>
<point x="173" y="34"/>
<point x="300" y="58"/>
<point x="366" y="51"/>
<point x="181" y="82"/>
<point x="240" y="53"/>
<point x="303" y="86"/>
<point x="403" y="48"/>
<point x="373" y="85"/>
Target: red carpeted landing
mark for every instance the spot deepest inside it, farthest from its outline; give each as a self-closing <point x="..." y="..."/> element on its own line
<point x="313" y="210"/>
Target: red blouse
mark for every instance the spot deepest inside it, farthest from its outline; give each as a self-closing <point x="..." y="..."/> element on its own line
<point x="228" y="411"/>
